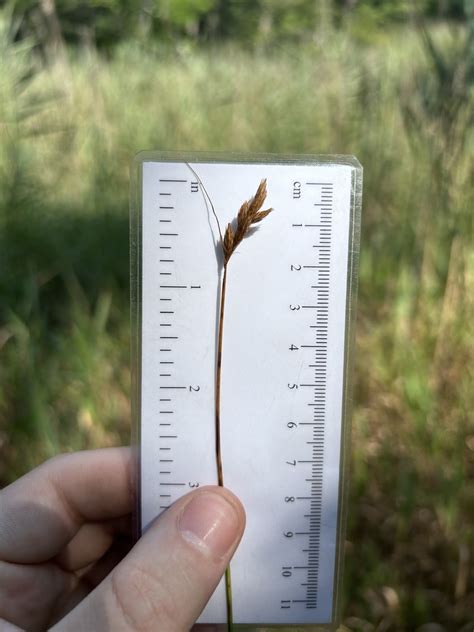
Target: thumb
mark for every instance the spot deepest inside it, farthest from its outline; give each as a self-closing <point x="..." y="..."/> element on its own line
<point x="170" y="574"/>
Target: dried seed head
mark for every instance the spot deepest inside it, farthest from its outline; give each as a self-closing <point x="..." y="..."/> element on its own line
<point x="242" y="222"/>
<point x="259" y="216"/>
<point x="228" y="244"/>
<point x="242" y="214"/>
<point x="248" y="214"/>
<point x="259" y="198"/>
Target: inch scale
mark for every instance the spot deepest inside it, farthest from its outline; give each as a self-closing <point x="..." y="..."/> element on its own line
<point x="285" y="364"/>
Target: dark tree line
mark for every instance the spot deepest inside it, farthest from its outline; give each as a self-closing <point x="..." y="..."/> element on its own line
<point x="103" y="23"/>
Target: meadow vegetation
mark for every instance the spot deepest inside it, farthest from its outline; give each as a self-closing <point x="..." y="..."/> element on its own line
<point x="404" y="106"/>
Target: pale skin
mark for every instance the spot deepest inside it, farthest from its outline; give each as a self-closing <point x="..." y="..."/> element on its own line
<point x="66" y="557"/>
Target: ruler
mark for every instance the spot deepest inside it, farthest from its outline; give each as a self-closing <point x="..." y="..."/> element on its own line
<point x="285" y="364"/>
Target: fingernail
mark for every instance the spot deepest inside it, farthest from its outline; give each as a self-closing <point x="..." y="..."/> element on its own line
<point x="210" y="523"/>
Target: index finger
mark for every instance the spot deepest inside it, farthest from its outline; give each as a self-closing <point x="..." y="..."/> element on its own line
<point x="42" y="511"/>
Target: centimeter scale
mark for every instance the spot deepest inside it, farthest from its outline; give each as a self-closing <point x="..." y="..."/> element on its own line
<point x="285" y="364"/>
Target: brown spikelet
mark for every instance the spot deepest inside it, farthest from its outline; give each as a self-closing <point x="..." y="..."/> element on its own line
<point x="249" y="213"/>
<point x="259" y="198"/>
<point x="228" y="243"/>
<point x="259" y="216"/>
<point x="242" y="214"/>
<point x="242" y="223"/>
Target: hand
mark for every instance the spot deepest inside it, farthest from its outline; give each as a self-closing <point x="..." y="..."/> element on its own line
<point x="66" y="555"/>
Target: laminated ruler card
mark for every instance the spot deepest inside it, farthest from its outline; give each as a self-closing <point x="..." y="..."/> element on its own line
<point x="284" y="376"/>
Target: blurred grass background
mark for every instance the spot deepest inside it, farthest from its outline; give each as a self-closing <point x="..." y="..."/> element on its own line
<point x="389" y="84"/>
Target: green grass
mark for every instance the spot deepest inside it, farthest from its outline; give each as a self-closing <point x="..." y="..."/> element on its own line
<point x="66" y="138"/>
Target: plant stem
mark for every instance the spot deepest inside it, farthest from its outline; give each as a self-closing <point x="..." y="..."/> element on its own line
<point x="220" y="475"/>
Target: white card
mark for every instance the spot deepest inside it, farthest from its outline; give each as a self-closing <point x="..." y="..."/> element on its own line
<point x="284" y="377"/>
